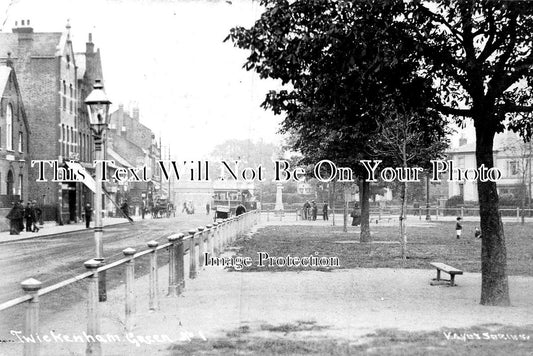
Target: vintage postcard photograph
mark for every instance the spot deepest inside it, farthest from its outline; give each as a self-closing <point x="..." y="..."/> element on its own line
<point x="266" y="177"/>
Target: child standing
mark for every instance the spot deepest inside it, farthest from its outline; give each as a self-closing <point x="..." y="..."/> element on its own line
<point x="458" y="227"/>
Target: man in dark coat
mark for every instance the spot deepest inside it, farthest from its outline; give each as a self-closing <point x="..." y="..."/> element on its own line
<point x="15" y="217"/>
<point x="240" y="210"/>
<point x="125" y="208"/>
<point x="314" y="210"/>
<point x="325" y="211"/>
<point x="88" y="215"/>
<point x="306" y="210"/>
<point x="28" y="215"/>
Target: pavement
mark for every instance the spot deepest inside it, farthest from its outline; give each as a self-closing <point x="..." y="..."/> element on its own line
<point x="52" y="228"/>
<point x="345" y="305"/>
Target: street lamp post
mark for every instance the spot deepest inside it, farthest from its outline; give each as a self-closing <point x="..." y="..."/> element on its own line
<point x="428" y="216"/>
<point x="21" y="162"/>
<point x="98" y="107"/>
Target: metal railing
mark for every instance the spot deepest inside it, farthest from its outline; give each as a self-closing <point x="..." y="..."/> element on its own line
<point x="211" y="239"/>
<point x="388" y="213"/>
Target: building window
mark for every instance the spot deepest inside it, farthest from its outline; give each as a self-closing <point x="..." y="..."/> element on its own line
<point x="9" y="127"/>
<point x="71" y="98"/>
<point x="513" y="168"/>
<point x="461" y="162"/>
<point x="20" y="187"/>
<point x="64" y="95"/>
<point x="9" y="183"/>
<point x="21" y="144"/>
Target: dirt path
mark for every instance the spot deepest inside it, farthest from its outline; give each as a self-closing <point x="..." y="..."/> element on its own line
<point x="344" y="304"/>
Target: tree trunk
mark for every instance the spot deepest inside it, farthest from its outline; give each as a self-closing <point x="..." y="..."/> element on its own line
<point x="364" y="198"/>
<point x="494" y="283"/>
<point x="333" y="203"/>
<point x="345" y="209"/>
<point x="403" y="214"/>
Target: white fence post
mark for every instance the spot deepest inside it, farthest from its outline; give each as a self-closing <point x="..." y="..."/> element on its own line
<point x="153" y="288"/>
<point x="130" y="292"/>
<point x="31" y="326"/>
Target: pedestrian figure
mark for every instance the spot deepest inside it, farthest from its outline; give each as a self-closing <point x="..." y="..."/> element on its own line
<point x="36" y="215"/>
<point x="207" y="208"/>
<point x="356" y="218"/>
<point x="28" y="215"/>
<point x="14" y="215"/>
<point x="20" y="215"/>
<point x="125" y="209"/>
<point x="325" y="211"/>
<point x="305" y="210"/>
<point x="458" y="227"/>
<point x="240" y="210"/>
<point x="477" y="233"/>
<point x="88" y="215"/>
<point x="314" y="210"/>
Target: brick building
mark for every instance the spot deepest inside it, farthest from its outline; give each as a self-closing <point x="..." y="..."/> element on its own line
<point x="53" y="88"/>
<point x="132" y="143"/>
<point x="14" y="140"/>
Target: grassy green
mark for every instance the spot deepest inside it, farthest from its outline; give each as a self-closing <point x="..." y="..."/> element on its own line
<point x="284" y="340"/>
<point x="434" y="241"/>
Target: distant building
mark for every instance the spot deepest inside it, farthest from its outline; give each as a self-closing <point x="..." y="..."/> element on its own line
<point x="304" y="188"/>
<point x="14" y="140"/>
<point x="132" y="143"/>
<point x="50" y="85"/>
<point x="511" y="156"/>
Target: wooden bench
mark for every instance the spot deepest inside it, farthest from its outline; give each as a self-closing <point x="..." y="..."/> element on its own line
<point x="452" y="271"/>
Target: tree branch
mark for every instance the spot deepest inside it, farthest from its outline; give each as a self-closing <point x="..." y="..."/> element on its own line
<point x="452" y="111"/>
<point x="517" y="108"/>
<point x="440" y="19"/>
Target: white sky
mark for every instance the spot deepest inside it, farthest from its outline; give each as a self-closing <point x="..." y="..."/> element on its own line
<point x="168" y="56"/>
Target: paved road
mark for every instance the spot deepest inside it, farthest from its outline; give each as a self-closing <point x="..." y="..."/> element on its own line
<point x="53" y="259"/>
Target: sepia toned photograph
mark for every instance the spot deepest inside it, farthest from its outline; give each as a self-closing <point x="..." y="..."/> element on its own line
<point x="266" y="177"/>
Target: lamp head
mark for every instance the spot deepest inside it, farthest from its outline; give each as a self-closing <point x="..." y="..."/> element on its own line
<point x="98" y="107"/>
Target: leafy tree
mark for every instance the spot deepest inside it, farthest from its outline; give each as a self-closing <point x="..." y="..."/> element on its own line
<point x="338" y="59"/>
<point x="480" y="55"/>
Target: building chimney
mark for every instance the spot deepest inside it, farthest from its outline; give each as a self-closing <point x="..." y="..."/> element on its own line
<point x="462" y="141"/>
<point x="135" y="113"/>
<point x="67" y="27"/>
<point x="89" y="45"/>
<point x="9" y="61"/>
<point x="25" y="31"/>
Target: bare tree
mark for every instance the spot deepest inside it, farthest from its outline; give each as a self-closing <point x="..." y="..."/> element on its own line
<point x="400" y="140"/>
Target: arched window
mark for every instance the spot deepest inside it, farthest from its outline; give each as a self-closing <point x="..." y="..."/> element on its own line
<point x="9" y="127"/>
<point x="9" y="181"/>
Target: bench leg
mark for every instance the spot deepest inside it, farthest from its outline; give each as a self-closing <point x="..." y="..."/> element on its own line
<point x="452" y="280"/>
<point x="438" y="275"/>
